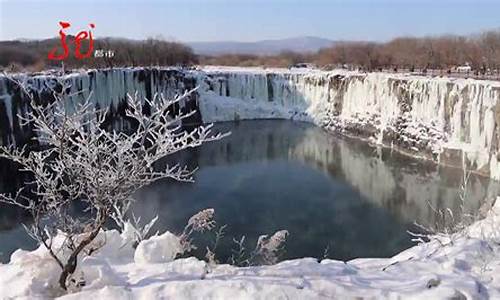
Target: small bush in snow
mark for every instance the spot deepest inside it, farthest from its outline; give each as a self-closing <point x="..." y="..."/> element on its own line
<point x="267" y="251"/>
<point x="448" y="226"/>
<point x="200" y="222"/>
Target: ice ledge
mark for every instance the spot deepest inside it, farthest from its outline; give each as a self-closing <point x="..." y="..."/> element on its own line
<point x="341" y="72"/>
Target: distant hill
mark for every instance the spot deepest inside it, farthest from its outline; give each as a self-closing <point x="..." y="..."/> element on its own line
<point x="298" y="44"/>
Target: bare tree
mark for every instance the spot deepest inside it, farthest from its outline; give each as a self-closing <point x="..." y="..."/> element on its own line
<point x="79" y="163"/>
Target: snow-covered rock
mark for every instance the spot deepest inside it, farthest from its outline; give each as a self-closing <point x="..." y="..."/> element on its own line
<point x="158" y="249"/>
<point x="97" y="273"/>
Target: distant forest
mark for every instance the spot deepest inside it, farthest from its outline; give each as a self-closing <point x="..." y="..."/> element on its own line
<point x="32" y="55"/>
<point x="481" y="52"/>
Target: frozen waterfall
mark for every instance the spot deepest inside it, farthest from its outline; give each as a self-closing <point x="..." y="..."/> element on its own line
<point x="441" y="119"/>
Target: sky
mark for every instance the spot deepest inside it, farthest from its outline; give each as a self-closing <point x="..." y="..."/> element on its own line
<point x="248" y="20"/>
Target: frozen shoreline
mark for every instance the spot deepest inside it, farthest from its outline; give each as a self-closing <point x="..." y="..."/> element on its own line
<point x="465" y="265"/>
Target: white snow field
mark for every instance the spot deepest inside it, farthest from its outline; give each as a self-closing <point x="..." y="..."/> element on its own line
<point x="464" y="265"/>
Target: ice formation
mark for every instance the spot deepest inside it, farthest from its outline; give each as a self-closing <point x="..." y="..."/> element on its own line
<point x="435" y="118"/>
<point x="106" y="88"/>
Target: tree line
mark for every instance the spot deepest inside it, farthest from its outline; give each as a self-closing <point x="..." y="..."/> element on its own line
<point x="481" y="52"/>
<point x="32" y="55"/>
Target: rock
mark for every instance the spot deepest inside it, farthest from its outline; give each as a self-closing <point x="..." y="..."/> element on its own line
<point x="158" y="249"/>
<point x="432" y="283"/>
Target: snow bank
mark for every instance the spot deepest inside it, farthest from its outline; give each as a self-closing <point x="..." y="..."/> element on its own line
<point x="465" y="265"/>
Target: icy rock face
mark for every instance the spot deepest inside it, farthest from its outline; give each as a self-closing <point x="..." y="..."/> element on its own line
<point x="106" y="88"/>
<point x="434" y="118"/>
<point x="440" y="119"/>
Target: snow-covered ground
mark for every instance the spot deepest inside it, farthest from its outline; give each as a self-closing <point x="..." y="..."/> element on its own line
<point x="465" y="265"/>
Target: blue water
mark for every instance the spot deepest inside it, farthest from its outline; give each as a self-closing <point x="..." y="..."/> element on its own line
<point x="327" y="191"/>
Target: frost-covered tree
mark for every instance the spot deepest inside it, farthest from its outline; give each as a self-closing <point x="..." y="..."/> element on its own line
<point x="80" y="164"/>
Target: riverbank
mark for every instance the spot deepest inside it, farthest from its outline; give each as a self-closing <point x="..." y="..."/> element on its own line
<point x="465" y="265"/>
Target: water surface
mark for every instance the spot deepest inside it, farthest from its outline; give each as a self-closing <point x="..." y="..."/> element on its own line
<point x="327" y="191"/>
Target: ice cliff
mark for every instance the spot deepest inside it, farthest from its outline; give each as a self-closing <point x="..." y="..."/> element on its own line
<point x="436" y="118"/>
<point x="105" y="88"/>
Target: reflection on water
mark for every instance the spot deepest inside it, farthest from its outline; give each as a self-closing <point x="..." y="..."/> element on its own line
<point x="325" y="190"/>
